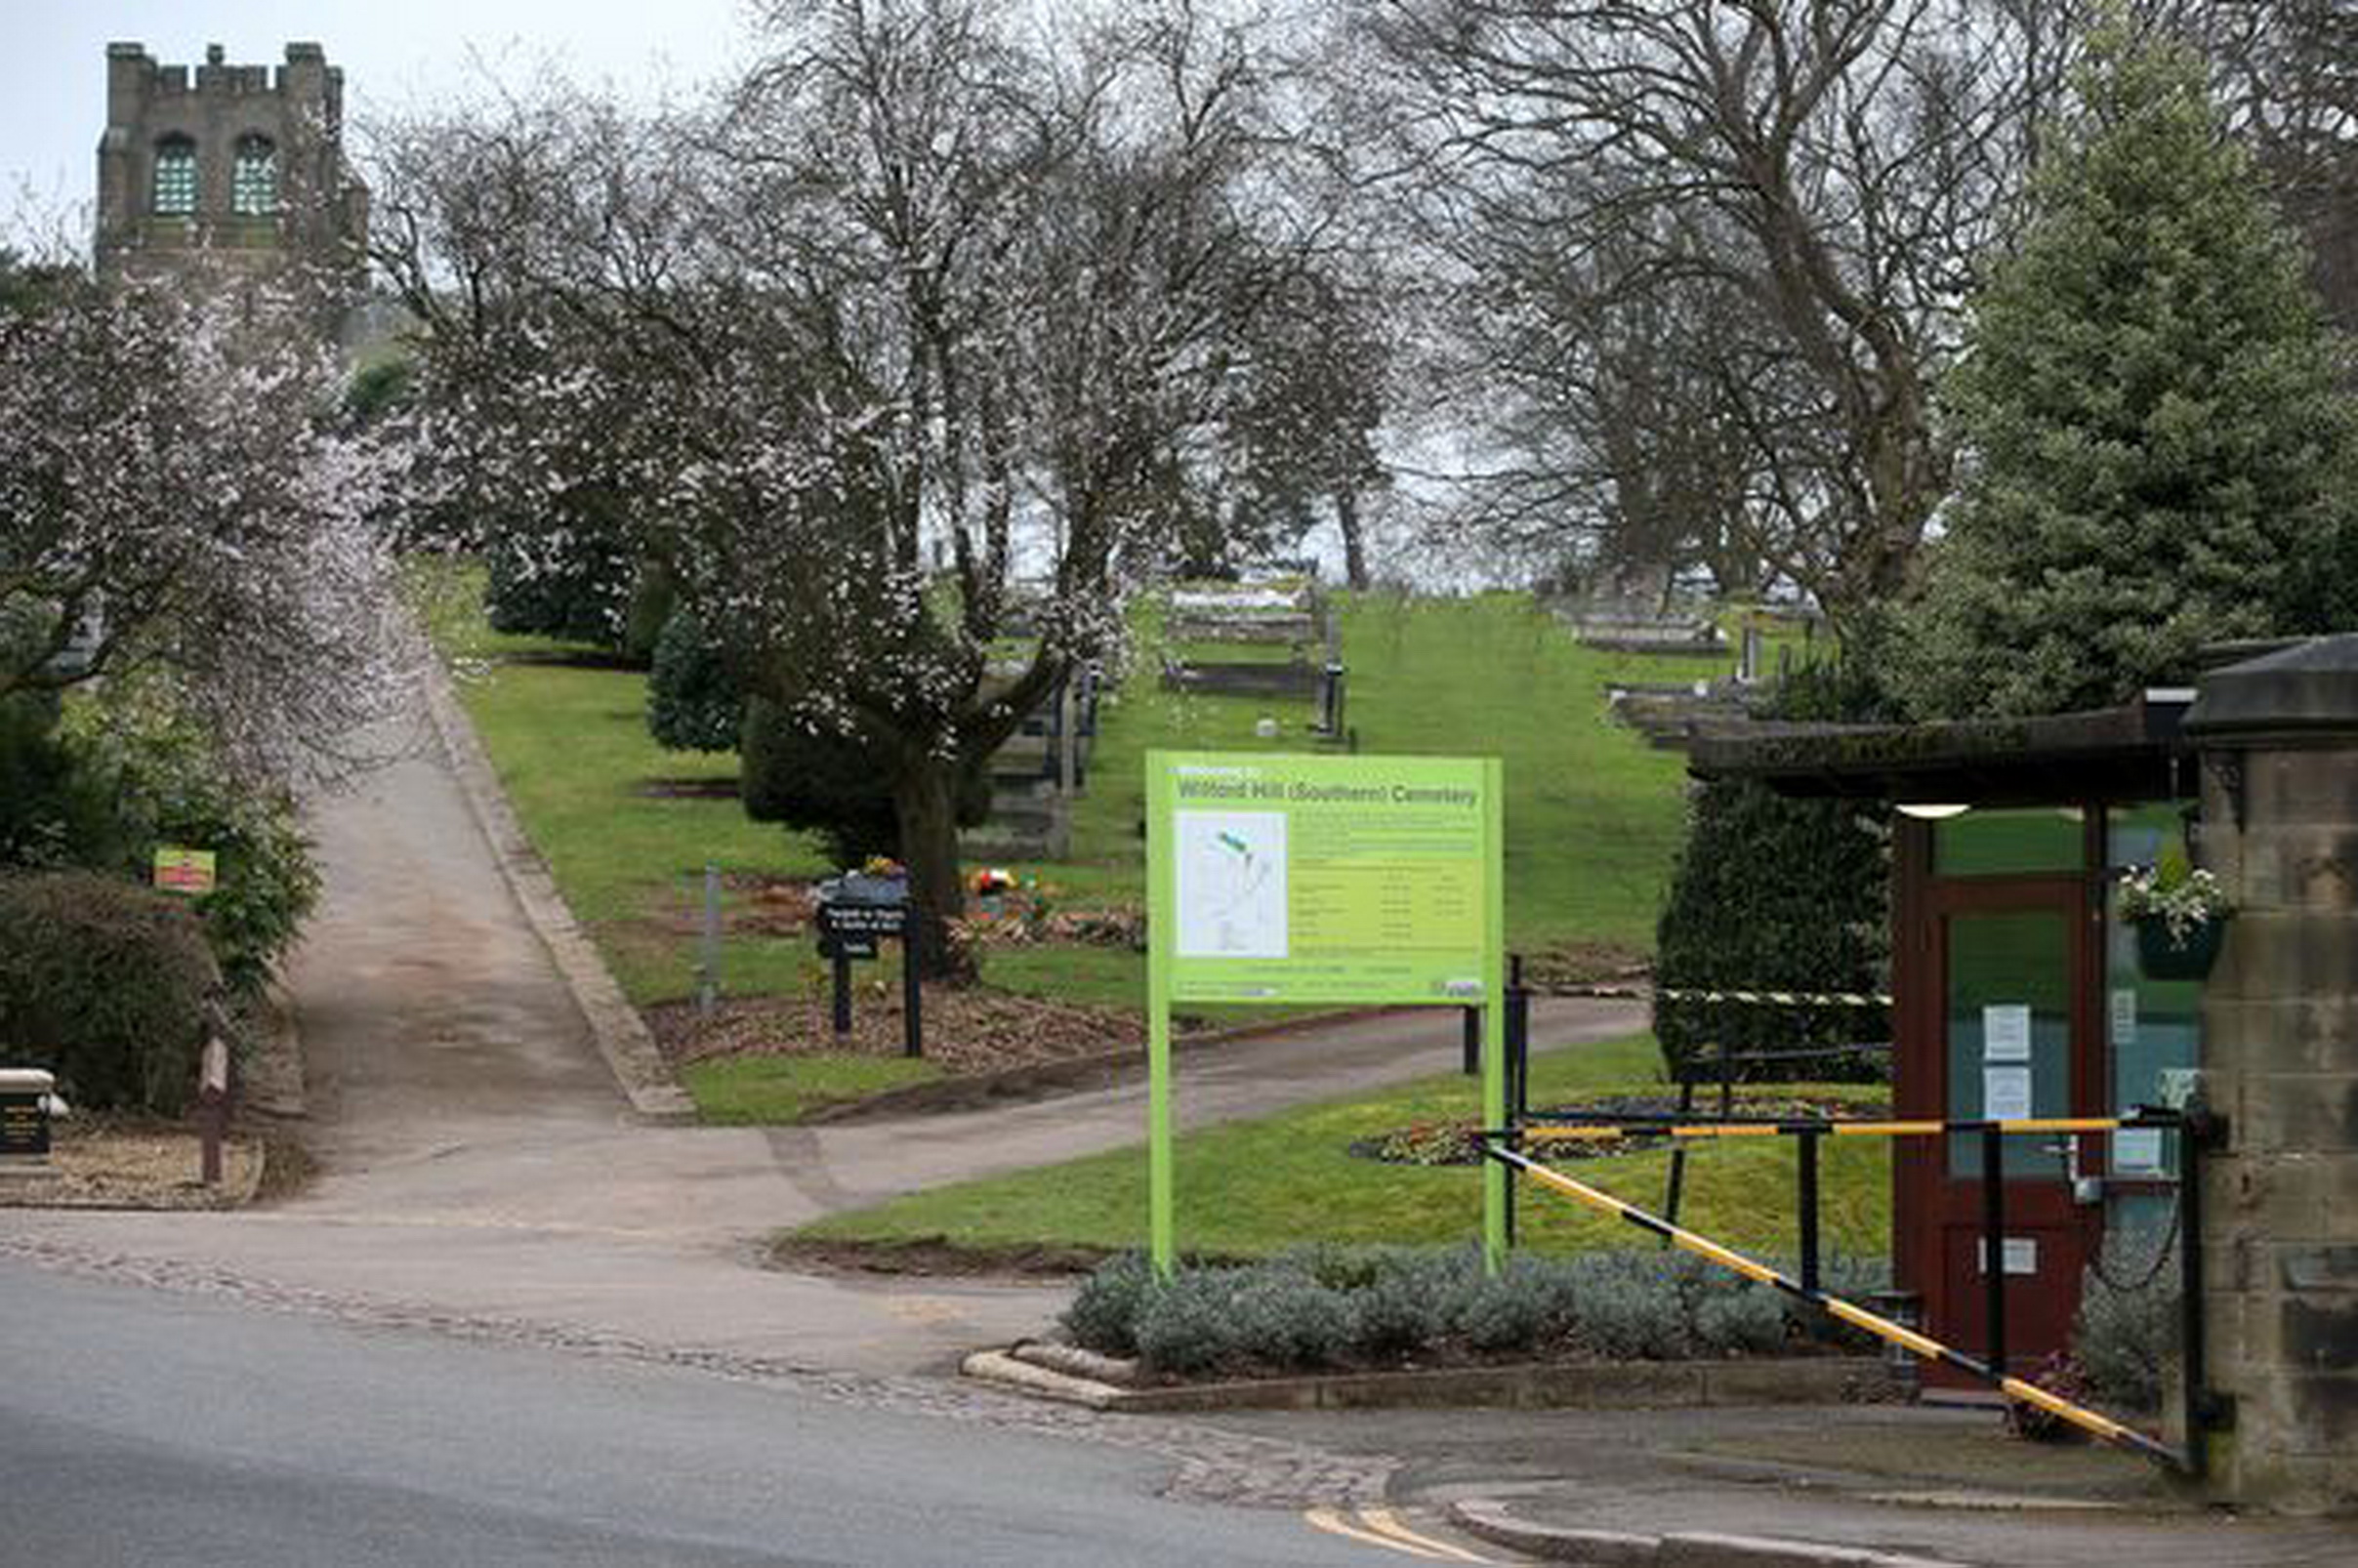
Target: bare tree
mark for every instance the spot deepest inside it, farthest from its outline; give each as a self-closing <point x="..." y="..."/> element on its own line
<point x="2287" y="74"/>
<point x="882" y="352"/>
<point x="1793" y="191"/>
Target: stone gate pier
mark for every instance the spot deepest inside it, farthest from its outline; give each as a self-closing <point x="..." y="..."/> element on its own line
<point x="2277" y="741"/>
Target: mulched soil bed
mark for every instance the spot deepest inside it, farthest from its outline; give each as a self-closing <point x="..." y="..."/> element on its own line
<point x="101" y="1165"/>
<point x="968" y="1030"/>
<point x="933" y="1256"/>
<point x="1575" y="966"/>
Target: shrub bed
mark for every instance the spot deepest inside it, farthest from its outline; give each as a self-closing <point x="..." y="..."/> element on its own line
<point x="1373" y="1308"/>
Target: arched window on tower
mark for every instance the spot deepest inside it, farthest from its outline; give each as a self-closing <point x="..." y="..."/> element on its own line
<point x="175" y="176"/>
<point x="254" y="178"/>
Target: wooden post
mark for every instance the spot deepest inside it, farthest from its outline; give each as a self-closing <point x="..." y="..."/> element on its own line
<point x="213" y="1101"/>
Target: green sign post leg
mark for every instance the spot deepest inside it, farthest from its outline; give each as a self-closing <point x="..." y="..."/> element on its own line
<point x="1158" y="1139"/>
<point x="1494" y="1115"/>
<point x="1162" y="1247"/>
<point x="1494" y="1014"/>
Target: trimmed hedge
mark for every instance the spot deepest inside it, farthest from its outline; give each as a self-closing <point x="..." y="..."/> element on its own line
<point x="1361" y="1306"/>
<point x="1775" y="893"/>
<point x="108" y="985"/>
<point x="694" y="701"/>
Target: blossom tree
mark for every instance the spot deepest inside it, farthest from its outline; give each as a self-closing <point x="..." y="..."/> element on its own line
<point x="177" y="501"/>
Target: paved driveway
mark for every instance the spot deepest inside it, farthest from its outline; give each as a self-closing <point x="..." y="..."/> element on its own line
<point x="480" y="1162"/>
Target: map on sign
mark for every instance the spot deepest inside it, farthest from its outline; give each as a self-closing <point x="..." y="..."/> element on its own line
<point x="1231" y="870"/>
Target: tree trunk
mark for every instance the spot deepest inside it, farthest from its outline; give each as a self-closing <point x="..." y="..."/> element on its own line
<point x="1354" y="546"/>
<point x="925" y="806"/>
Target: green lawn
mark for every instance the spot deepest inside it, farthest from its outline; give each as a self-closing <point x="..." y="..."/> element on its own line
<point x="770" y="1091"/>
<point x="1594" y="815"/>
<point x="1252" y="1189"/>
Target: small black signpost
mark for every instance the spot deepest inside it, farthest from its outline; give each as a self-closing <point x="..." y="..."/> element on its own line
<point x="24" y="1112"/>
<point x="855" y="913"/>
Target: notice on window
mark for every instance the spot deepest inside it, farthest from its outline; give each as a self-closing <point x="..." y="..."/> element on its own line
<point x="2006" y="1093"/>
<point x="2124" y="1016"/>
<point x="2021" y="1255"/>
<point x="2005" y="1032"/>
<point x="2138" y="1151"/>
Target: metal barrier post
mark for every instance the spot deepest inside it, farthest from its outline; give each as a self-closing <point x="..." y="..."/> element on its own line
<point x="2192" y="1138"/>
<point x="911" y="990"/>
<point x="1518" y="1039"/>
<point x="1473" y="1040"/>
<point x="1809" y="1152"/>
<point x="1677" y="1176"/>
<point x="1993" y="1241"/>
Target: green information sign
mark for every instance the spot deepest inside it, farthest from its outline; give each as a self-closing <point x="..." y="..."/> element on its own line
<point x="1288" y="879"/>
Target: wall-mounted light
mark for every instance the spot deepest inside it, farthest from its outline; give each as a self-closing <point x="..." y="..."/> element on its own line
<point x="1930" y="811"/>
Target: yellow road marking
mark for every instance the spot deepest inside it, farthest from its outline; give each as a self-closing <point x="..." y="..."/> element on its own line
<point x="1335" y="1524"/>
<point x="1386" y="1522"/>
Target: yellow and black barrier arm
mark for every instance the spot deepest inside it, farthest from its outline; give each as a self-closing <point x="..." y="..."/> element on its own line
<point x="1583" y="1131"/>
<point x="1930" y="1349"/>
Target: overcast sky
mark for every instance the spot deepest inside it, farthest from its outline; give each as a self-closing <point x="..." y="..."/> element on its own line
<point x="53" y="63"/>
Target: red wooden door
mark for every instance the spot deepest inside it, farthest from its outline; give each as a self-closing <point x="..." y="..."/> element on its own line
<point x="2005" y="1026"/>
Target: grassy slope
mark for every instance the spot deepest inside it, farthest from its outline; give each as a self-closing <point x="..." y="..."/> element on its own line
<point x="1257" y="1188"/>
<point x="1592" y="814"/>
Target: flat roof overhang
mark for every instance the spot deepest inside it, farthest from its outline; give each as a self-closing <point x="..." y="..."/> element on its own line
<point x="2131" y="753"/>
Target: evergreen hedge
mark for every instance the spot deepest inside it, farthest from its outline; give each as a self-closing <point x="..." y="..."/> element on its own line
<point x="111" y="987"/>
<point x="830" y="784"/>
<point x="694" y="700"/>
<point x="1775" y="893"/>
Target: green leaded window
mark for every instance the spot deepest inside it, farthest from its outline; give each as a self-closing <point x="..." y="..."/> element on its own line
<point x="254" y="178"/>
<point x="175" y="176"/>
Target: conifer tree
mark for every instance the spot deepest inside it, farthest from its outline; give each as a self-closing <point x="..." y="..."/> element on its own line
<point x="2158" y="448"/>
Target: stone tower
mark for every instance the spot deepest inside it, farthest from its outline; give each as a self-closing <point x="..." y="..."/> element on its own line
<point x="231" y="171"/>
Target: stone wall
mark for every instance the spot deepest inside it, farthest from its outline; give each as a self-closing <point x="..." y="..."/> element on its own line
<point x="2280" y="1043"/>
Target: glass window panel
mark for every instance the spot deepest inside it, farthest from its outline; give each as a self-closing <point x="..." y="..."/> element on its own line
<point x="254" y="178"/>
<point x="2152" y="1027"/>
<point x="1986" y="843"/>
<point x="175" y="176"/>
<point x="2004" y="960"/>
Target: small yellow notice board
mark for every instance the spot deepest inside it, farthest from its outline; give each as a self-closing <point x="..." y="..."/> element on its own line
<point x="184" y="871"/>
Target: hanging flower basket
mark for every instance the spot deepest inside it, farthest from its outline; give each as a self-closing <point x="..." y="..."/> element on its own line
<point x="2179" y="950"/>
<point x="2180" y="913"/>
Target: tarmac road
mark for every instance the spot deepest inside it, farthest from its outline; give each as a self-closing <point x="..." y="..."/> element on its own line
<point x="140" y="1427"/>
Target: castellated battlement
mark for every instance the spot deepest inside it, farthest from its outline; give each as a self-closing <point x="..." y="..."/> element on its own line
<point x="223" y="167"/>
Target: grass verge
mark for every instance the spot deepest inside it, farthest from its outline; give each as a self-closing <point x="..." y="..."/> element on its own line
<point x="1249" y="1189"/>
<point x="769" y="1090"/>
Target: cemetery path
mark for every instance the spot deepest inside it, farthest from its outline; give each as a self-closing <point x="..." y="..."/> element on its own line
<point x="480" y="1163"/>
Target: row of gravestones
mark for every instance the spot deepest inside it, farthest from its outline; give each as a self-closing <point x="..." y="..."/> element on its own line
<point x="1036" y="774"/>
<point x="1673" y="714"/>
<point x="1287" y="618"/>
